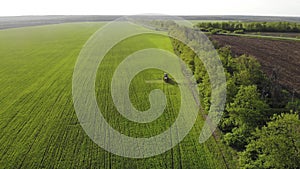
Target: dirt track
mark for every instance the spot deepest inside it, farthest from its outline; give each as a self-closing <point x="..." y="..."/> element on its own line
<point x="282" y="55"/>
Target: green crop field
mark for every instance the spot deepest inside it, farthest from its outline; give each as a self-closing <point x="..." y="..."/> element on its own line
<point x="38" y="124"/>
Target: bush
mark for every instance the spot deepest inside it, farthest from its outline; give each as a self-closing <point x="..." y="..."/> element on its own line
<point x="203" y="29"/>
<point x="225" y="31"/>
<point x="239" y="31"/>
<point x="215" y="31"/>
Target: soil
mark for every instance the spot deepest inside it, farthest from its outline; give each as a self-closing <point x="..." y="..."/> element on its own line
<point x="280" y="55"/>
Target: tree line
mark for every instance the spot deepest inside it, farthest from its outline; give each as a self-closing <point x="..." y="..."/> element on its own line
<point x="241" y="27"/>
<point x="261" y="119"/>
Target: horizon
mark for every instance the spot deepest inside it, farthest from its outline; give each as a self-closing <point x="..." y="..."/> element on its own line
<point x="193" y="17"/>
<point x="200" y="15"/>
<point x="133" y="7"/>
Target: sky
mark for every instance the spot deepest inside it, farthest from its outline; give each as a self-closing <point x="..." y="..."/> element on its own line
<point x="134" y="7"/>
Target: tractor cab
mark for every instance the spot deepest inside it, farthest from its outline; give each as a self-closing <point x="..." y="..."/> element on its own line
<point x="166" y="77"/>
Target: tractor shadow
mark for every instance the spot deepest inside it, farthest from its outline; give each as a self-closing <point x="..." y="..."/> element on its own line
<point x="171" y="82"/>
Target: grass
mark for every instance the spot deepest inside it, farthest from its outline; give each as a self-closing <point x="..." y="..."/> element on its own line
<point x="39" y="127"/>
<point x="262" y="36"/>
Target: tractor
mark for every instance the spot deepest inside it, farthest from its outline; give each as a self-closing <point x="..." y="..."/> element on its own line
<point x="166" y="77"/>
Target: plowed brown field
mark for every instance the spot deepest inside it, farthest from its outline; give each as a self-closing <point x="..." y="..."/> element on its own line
<point x="280" y="55"/>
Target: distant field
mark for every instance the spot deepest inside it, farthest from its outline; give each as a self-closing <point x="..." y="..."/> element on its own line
<point x="289" y="35"/>
<point x="39" y="127"/>
<point x="197" y="21"/>
<point x="267" y="36"/>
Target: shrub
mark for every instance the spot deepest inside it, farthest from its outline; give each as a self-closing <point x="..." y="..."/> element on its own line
<point x="239" y="31"/>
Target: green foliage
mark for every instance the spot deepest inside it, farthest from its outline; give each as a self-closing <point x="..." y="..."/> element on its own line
<point x="246" y="112"/>
<point x="205" y="92"/>
<point x="294" y="105"/>
<point x="248" y="71"/>
<point x="227" y="59"/>
<point x="240" y="27"/>
<point x="238" y="137"/>
<point x="240" y="31"/>
<point x="245" y="81"/>
<point x="232" y="89"/>
<point x="215" y="31"/>
<point x="252" y="98"/>
<point x="247" y="108"/>
<point x="276" y="145"/>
